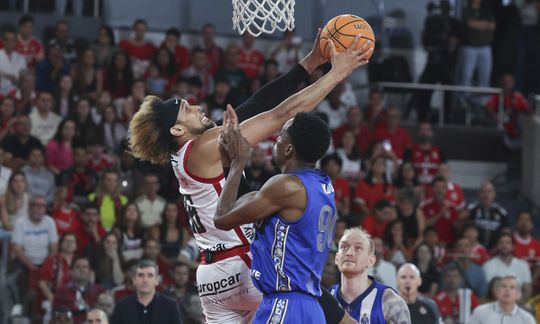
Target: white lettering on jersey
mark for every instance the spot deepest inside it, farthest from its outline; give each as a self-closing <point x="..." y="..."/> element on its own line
<point x="327" y="188"/>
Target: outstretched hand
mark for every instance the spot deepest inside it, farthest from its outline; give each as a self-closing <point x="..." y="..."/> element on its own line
<point x="232" y="145"/>
<point x="350" y="59"/>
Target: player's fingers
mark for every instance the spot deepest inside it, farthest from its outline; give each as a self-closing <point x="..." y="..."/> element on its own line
<point x="332" y="48"/>
<point x="232" y="116"/>
<point x="354" y="43"/>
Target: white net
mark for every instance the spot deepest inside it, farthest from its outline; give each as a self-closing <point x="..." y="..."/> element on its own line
<point x="262" y="16"/>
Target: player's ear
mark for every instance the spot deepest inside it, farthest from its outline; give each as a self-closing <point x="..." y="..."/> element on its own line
<point x="371" y="260"/>
<point x="177" y="130"/>
<point x="289" y="151"/>
<point x="336" y="258"/>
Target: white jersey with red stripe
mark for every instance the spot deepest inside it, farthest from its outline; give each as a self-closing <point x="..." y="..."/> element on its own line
<point x="200" y="200"/>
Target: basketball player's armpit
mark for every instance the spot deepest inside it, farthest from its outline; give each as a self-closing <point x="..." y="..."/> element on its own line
<point x="395" y="309"/>
<point x="244" y="186"/>
<point x="272" y="94"/>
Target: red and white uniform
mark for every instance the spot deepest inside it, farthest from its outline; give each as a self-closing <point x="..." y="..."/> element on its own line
<point x="251" y="62"/>
<point x="527" y="249"/>
<point x="454" y="194"/>
<point x="225" y="287"/>
<point x="426" y="163"/>
<point x="32" y="50"/>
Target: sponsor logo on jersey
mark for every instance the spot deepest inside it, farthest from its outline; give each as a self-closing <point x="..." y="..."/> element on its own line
<point x="219" y="286"/>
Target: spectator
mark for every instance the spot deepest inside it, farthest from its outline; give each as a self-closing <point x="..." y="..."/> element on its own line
<point x="504" y="263"/>
<point x="80" y="294"/>
<point x="353" y="123"/>
<point x="449" y="299"/>
<point x="105" y="303"/>
<point x="61" y="315"/>
<point x="381" y="150"/>
<point x="55" y="271"/>
<point x="59" y="151"/>
<point x="64" y="96"/>
<point x="526" y="246"/>
<point x="251" y="59"/>
<point x="423" y="257"/>
<point x="411" y="216"/>
<point x="152" y="253"/>
<point x="40" y="180"/>
<point x="131" y="176"/>
<point x="7" y="117"/>
<point x="63" y="41"/>
<point x="217" y="101"/>
<point x="127" y="288"/>
<point x="107" y="261"/>
<point x="138" y="48"/>
<point x="63" y="212"/>
<point x="98" y="160"/>
<point x="454" y="193"/>
<point x="398" y="137"/>
<point x="199" y="68"/>
<point x="87" y="78"/>
<point x="86" y="130"/>
<point x="148" y="305"/>
<point x="26" y="92"/>
<point x="44" y="121"/>
<point x="11" y="64"/>
<point x="488" y="215"/>
<point x="119" y="76"/>
<point x="51" y="69"/>
<point x="212" y="50"/>
<point x="133" y="101"/>
<point x="170" y="234"/>
<point x="383" y="214"/>
<point x="172" y="43"/>
<point x="398" y="248"/>
<point x="257" y="172"/>
<point x="104" y="47"/>
<point x="128" y="228"/>
<point x="27" y="44"/>
<point x="350" y="156"/>
<point x="104" y="99"/>
<point x="515" y="105"/>
<point x="479" y="253"/>
<point x="78" y="179"/>
<point x="478" y="28"/>
<point x="34" y="239"/>
<point x="473" y="276"/>
<point x="231" y="71"/>
<point x="150" y="203"/>
<point x="441" y="213"/>
<point x="5" y="174"/>
<point x="333" y="108"/>
<point x="108" y="198"/>
<point x="166" y="67"/>
<point x="288" y="52"/>
<point x="423" y="309"/>
<point x="374" y="187"/>
<point x="270" y="70"/>
<point x="406" y="179"/>
<point x="15" y="201"/>
<point x="185" y="294"/>
<point x="383" y="271"/>
<point x="114" y="132"/>
<point x="331" y="165"/>
<point x="90" y="231"/>
<point x="96" y="316"/>
<point x="425" y="156"/>
<point x="505" y="308"/>
<point x="375" y="112"/>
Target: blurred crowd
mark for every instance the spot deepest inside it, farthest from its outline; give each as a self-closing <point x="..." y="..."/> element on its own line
<point x="78" y="212"/>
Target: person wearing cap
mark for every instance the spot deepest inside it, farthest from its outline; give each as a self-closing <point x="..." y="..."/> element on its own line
<point x="423" y="309"/>
<point x="504" y="309"/>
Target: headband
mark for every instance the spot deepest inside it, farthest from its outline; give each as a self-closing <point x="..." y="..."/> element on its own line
<point x="168" y="111"/>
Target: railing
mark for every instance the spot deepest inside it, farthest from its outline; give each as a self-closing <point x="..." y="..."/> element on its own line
<point x="453" y="88"/>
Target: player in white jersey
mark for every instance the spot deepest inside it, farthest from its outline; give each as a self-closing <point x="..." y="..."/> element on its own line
<point x="174" y="128"/>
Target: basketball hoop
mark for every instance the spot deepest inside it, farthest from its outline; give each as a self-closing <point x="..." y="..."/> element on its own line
<point x="262" y="16"/>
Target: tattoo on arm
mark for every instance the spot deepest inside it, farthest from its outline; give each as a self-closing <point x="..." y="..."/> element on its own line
<point x="395" y="309"/>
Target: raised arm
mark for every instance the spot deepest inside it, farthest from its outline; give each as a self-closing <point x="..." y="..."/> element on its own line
<point x="395" y="309"/>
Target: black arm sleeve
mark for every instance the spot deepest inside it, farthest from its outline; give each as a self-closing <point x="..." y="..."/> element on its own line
<point x="333" y="312"/>
<point x="244" y="186"/>
<point x="272" y="94"/>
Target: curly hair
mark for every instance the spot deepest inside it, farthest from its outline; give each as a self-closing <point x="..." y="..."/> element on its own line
<point x="146" y="138"/>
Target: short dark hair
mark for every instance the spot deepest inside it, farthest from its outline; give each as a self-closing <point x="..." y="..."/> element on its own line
<point x="437" y="179"/>
<point x="76" y="259"/>
<point x="310" y="137"/>
<point x="90" y="205"/>
<point x="382" y="204"/>
<point x="505" y="235"/>
<point x="179" y="264"/>
<point x="8" y="30"/>
<point x="331" y="157"/>
<point x="173" y="32"/>
<point x="140" y="21"/>
<point x="145" y="263"/>
<point x="25" y="19"/>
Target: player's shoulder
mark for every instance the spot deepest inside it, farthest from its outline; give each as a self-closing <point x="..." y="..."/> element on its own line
<point x="283" y="185"/>
<point x="395" y="309"/>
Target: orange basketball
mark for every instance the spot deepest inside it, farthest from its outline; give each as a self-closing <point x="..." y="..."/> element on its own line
<point x="342" y="30"/>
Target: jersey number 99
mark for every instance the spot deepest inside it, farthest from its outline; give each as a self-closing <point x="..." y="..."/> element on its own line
<point x="327" y="221"/>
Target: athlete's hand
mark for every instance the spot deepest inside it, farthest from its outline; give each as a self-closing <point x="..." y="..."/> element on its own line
<point x="315" y="56"/>
<point x="345" y="62"/>
<point x="231" y="142"/>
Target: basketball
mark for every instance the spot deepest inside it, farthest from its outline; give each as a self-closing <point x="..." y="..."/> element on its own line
<point x="342" y="30"/>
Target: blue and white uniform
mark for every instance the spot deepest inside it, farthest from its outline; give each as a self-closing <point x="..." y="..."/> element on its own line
<point x="366" y="308"/>
<point x="289" y="257"/>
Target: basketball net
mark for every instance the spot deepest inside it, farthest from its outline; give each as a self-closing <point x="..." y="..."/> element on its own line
<point x="262" y="16"/>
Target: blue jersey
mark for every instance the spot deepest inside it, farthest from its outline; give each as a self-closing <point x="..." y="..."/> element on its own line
<point x="290" y="256"/>
<point x="366" y="308"/>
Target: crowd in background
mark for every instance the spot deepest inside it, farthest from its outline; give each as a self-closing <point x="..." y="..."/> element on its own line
<point x="78" y="212"/>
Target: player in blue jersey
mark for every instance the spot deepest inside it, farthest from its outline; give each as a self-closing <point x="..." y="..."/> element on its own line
<point x="365" y="299"/>
<point x="295" y="215"/>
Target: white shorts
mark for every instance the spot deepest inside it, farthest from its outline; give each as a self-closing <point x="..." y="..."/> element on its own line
<point x="227" y="292"/>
